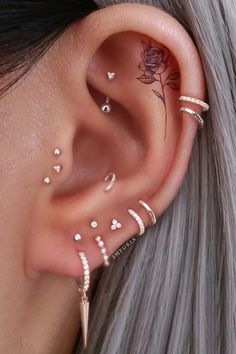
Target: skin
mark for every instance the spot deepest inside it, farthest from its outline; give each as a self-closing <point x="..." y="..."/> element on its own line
<point x="57" y="105"/>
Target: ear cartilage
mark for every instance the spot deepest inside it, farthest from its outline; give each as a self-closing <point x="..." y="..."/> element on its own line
<point x="194" y="115"/>
<point x="115" y="225"/>
<point x="112" y="178"/>
<point x="57" y="168"/>
<point x="138" y="220"/>
<point x="57" y="152"/>
<point x="94" y="224"/>
<point x="77" y="237"/>
<point x="47" y="180"/>
<point x="149" y="211"/>
<point x="103" y="250"/>
<point x="106" y="107"/>
<point x="202" y="104"/>
<point x="111" y="75"/>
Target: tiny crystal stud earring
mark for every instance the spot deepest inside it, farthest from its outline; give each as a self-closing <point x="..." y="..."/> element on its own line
<point x="47" y="180"/>
<point x="94" y="224"/>
<point x="77" y="237"/>
<point x="111" y="75"/>
<point x="57" y="152"/>
<point x="115" y="225"/>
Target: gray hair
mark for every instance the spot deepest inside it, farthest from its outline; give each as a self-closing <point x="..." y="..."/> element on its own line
<point x="174" y="291"/>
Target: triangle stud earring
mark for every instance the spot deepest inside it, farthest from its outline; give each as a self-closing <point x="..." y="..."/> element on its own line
<point x="111" y="76"/>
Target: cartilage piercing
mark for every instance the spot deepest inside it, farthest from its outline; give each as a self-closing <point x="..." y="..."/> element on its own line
<point x="83" y="286"/>
<point x="57" y="168"/>
<point x="194" y="115"/>
<point x="106" y="107"/>
<point x="202" y="104"/>
<point x="115" y="225"/>
<point x="149" y="210"/>
<point x="47" y="180"/>
<point x="111" y="75"/>
<point x="112" y="178"/>
<point x="94" y="224"/>
<point x="77" y="237"/>
<point x="103" y="250"/>
<point x="138" y="220"/>
<point x="57" y="152"/>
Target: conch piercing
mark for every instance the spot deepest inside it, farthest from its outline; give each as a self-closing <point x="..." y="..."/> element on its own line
<point x="115" y="225"/>
<point x="77" y="237"/>
<point x="111" y="75"/>
<point x="194" y="115"/>
<point x="138" y="220"/>
<point x="83" y="286"/>
<point x="202" y="104"/>
<point x="112" y="178"/>
<point x="94" y="224"/>
<point x="149" y="210"/>
<point x="106" y="107"/>
<point x="103" y="250"/>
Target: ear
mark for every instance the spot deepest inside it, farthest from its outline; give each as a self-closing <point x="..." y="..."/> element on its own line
<point x="144" y="140"/>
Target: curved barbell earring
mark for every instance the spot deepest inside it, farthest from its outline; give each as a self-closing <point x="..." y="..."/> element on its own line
<point x="112" y="178"/>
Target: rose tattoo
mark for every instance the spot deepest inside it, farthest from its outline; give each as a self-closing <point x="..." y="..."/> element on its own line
<point x="155" y="62"/>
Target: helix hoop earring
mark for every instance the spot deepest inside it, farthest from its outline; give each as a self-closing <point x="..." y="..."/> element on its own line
<point x="112" y="178"/>
<point x="149" y="210"/>
<point x="83" y="286"/>
<point x="202" y="104"/>
<point x="194" y="115"/>
<point x="138" y="220"/>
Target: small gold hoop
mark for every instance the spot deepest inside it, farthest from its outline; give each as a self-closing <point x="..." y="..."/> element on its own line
<point x="149" y="210"/>
<point x="202" y="104"/>
<point x="194" y="115"/>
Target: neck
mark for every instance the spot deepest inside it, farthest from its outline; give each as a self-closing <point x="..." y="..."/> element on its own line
<point x="40" y="317"/>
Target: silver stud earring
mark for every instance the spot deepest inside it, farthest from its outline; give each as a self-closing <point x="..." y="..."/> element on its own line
<point x="106" y="107"/>
<point x="77" y="237"/>
<point x="94" y="224"/>
<point x="111" y="76"/>
<point x="115" y="225"/>
<point x="57" y="168"/>
<point x="57" y="152"/>
<point x="47" y="180"/>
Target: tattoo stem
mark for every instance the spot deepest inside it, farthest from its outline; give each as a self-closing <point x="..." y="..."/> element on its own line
<point x="164" y="100"/>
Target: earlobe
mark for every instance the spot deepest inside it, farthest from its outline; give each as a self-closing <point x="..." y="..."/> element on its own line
<point x="135" y="73"/>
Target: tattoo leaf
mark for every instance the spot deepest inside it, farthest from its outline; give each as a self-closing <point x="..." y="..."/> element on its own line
<point x="159" y="96"/>
<point x="173" y="75"/>
<point x="173" y="85"/>
<point x="147" y="79"/>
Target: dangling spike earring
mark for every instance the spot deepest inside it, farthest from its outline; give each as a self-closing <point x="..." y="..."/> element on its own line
<point x="84" y="303"/>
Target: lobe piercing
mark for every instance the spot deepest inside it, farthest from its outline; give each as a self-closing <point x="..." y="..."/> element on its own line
<point x="57" y="152"/>
<point x="106" y="107"/>
<point x="111" y="75"/>
<point x="83" y="287"/>
<point x="77" y="237"/>
<point x="149" y="210"/>
<point x="47" y="180"/>
<point x="194" y="115"/>
<point x="138" y="220"/>
<point x="204" y="105"/>
<point x="57" y="168"/>
<point x="115" y="225"/>
<point x="111" y="176"/>
<point x="94" y="224"/>
<point x="103" y="250"/>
